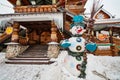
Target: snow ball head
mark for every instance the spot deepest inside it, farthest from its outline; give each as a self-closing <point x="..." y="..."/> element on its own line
<point x="77" y="30"/>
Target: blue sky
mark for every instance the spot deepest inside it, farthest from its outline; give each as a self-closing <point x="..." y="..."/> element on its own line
<point x="112" y="6"/>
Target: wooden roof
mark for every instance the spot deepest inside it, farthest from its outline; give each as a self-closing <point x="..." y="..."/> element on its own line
<point x="102" y="14"/>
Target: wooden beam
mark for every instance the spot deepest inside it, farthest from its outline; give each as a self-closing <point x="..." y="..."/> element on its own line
<point x="24" y="2"/>
<point x="13" y="2"/>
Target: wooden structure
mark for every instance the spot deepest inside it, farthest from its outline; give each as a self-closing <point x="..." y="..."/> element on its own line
<point x="102" y="14"/>
<point x="39" y="31"/>
<point x="104" y="21"/>
<point x="43" y="23"/>
<point x="75" y="6"/>
<point x="40" y="25"/>
<point x="40" y="22"/>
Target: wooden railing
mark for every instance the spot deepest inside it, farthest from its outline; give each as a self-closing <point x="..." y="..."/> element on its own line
<point x="32" y="9"/>
<point x="3" y="37"/>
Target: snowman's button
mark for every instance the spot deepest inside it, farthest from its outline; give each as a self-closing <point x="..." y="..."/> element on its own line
<point x="78" y="66"/>
<point x="78" y="48"/>
<point x="78" y="39"/>
<point x="78" y="58"/>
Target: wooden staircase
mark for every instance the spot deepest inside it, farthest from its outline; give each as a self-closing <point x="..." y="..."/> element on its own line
<point x="35" y="54"/>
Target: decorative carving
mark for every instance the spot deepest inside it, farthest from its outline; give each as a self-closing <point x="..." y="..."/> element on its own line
<point x="54" y="32"/>
<point x="29" y="9"/>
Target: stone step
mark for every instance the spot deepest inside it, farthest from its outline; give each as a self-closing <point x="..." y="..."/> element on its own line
<point x="40" y="53"/>
<point x="18" y="58"/>
<point x="35" y="51"/>
<point x="30" y="56"/>
<point x="32" y="53"/>
<point x="28" y="62"/>
<point x="36" y="54"/>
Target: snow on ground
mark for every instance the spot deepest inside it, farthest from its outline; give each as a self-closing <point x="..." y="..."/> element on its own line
<point x="107" y="66"/>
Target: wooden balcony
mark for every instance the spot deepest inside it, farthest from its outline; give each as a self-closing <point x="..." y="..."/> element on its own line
<point x="35" y="9"/>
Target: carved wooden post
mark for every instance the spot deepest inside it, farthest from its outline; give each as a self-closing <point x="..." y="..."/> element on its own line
<point x="27" y="34"/>
<point x="111" y="41"/>
<point x="53" y="48"/>
<point x="54" y="32"/>
<point x="15" y="34"/>
<point x="13" y="47"/>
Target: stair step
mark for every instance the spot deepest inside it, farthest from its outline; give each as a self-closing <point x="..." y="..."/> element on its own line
<point x="17" y="58"/>
<point x="23" y="56"/>
<point x="33" y="53"/>
<point x="28" y="62"/>
<point x="36" y="54"/>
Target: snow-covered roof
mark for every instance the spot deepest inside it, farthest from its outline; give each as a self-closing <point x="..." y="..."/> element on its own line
<point x="57" y="17"/>
<point x="105" y="12"/>
<point x="108" y="22"/>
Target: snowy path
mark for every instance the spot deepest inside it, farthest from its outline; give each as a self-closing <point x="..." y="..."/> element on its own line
<point x="20" y="72"/>
<point x="104" y="65"/>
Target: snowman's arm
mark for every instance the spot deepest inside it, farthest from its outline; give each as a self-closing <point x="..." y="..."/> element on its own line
<point x="91" y="46"/>
<point x="65" y="43"/>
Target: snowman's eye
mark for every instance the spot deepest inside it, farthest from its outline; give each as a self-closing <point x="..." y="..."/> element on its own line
<point x="78" y="40"/>
<point x="78" y="48"/>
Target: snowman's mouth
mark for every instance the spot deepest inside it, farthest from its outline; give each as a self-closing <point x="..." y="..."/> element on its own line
<point x="79" y="30"/>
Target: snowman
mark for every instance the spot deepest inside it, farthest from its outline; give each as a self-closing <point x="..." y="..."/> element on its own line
<point x="75" y="61"/>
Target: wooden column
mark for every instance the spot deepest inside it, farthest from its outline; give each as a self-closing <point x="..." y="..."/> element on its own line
<point x="112" y="47"/>
<point x="15" y="34"/>
<point x="53" y="48"/>
<point x="53" y="32"/>
<point x="27" y="34"/>
<point x="111" y="34"/>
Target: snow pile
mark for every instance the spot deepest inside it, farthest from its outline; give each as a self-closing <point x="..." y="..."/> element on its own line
<point x="61" y="71"/>
<point x="20" y="72"/>
<point x="106" y="66"/>
<point x="98" y="68"/>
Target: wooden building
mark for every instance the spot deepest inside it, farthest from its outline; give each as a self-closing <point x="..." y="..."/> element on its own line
<point x="106" y="33"/>
<point x="38" y="22"/>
